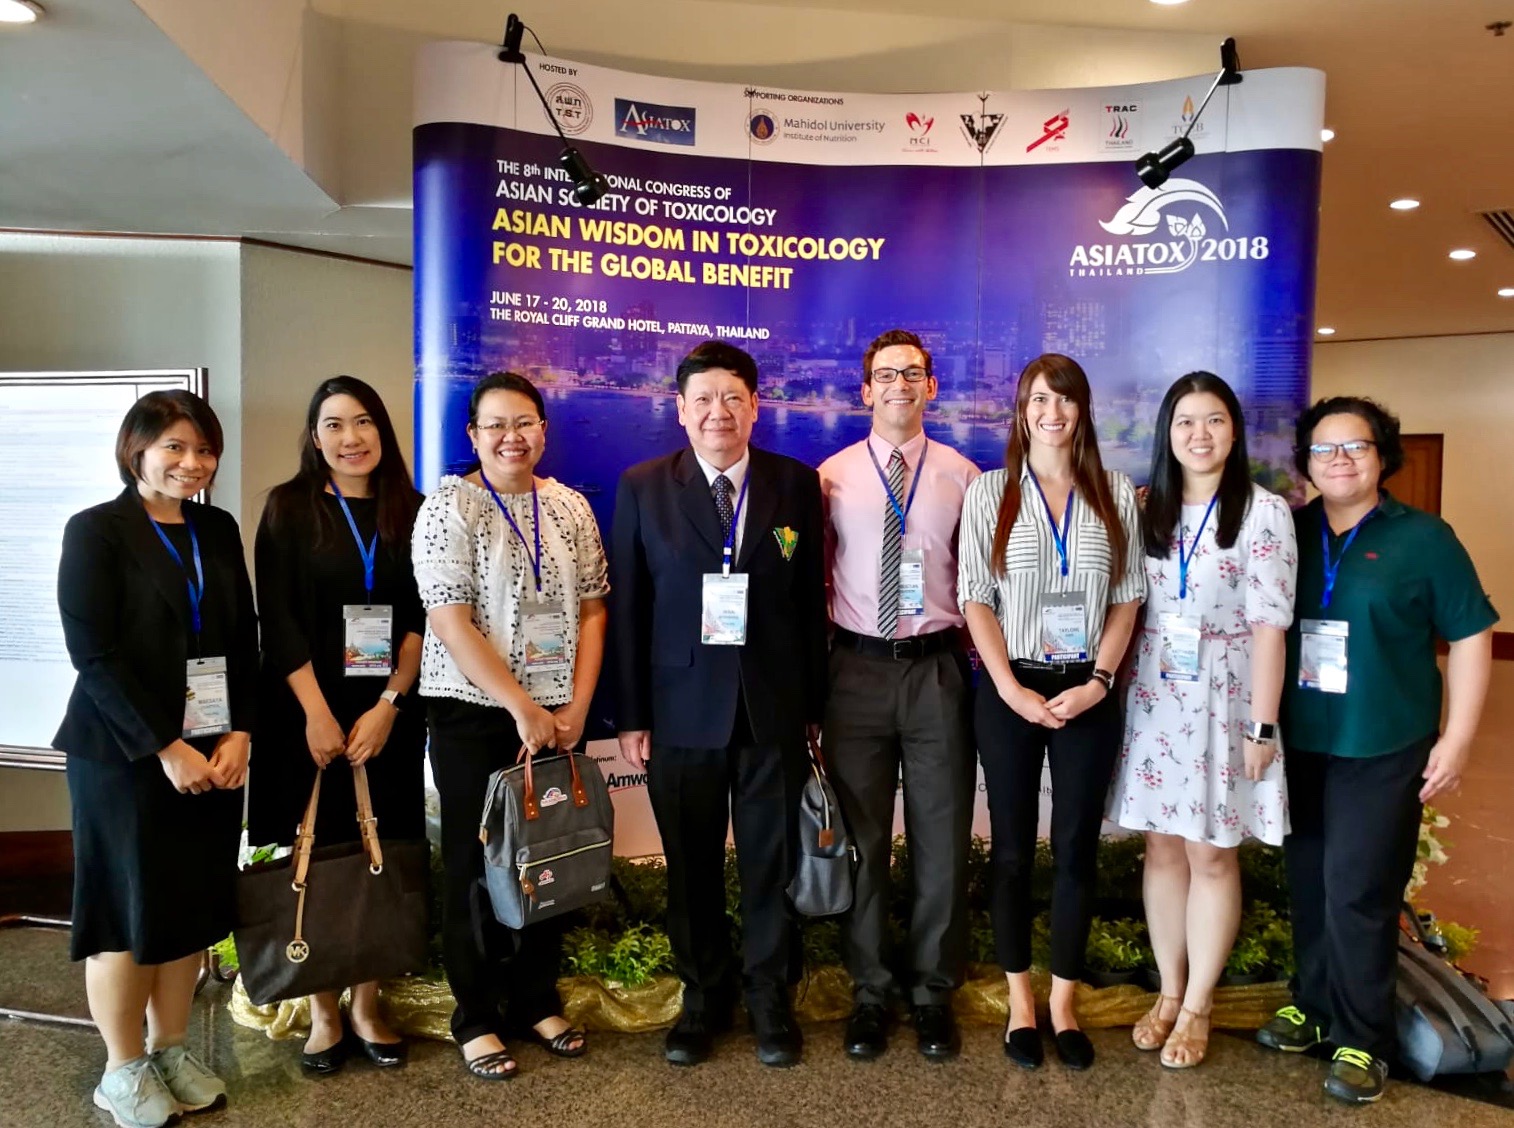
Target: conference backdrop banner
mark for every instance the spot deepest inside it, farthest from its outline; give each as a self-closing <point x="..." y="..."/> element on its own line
<point x="800" y="225"/>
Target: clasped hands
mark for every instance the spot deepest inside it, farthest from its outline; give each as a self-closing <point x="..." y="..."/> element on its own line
<point x="1055" y="712"/>
<point x="192" y="772"/>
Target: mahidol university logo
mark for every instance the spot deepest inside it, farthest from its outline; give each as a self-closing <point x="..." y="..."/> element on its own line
<point x="1184" y="237"/>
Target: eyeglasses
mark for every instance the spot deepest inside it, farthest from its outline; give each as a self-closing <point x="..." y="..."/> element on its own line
<point x="1356" y="450"/>
<point x="509" y="427"/>
<point x="889" y="375"/>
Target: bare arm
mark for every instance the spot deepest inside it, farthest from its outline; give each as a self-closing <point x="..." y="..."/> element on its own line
<point x="481" y="664"/>
<point x="593" y="619"/>
<point x="988" y="638"/>
<point x="1468" y="670"/>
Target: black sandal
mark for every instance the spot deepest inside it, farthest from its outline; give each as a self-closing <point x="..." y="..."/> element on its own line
<point x="562" y="1045"/>
<point x="482" y="1066"/>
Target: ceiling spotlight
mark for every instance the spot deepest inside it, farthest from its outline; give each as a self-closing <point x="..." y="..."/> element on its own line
<point x="1506" y="292"/>
<point x="1327" y="135"/>
<point x="1408" y="203"/>
<point x="1154" y="168"/>
<point x="1326" y="331"/>
<point x="1462" y="254"/>
<point x="19" y="11"/>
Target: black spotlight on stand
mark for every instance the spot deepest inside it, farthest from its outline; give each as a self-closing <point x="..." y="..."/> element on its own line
<point x="588" y="185"/>
<point x="1155" y="168"/>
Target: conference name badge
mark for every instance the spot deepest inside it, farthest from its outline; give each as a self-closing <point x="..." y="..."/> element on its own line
<point x="368" y="640"/>
<point x="912" y="581"/>
<point x="1322" y="654"/>
<point x="207" y="700"/>
<point x="1064" y="627"/>
<point x="722" y="618"/>
<point x="545" y="630"/>
<point x="1180" y="636"/>
<point x="788" y="540"/>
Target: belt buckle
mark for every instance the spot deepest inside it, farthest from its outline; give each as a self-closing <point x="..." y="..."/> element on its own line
<point x="907" y="643"/>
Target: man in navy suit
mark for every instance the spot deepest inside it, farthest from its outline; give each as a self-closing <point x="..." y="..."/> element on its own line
<point x="719" y="636"/>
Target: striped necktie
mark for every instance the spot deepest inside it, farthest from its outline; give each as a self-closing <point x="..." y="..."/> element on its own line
<point x="893" y="547"/>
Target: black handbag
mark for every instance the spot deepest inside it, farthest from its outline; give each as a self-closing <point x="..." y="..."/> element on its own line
<point x="823" y="881"/>
<point x="325" y="918"/>
<point x="1446" y="1024"/>
<point x="547" y="831"/>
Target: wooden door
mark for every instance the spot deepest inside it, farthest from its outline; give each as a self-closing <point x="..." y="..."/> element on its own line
<point x="1418" y="483"/>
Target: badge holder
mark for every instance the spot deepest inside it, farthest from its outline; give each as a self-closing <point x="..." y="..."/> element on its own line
<point x="545" y="627"/>
<point x="207" y="700"/>
<point x="722" y="617"/>
<point x="912" y="582"/>
<point x="1064" y="627"/>
<point x="367" y="640"/>
<point x="1322" y="655"/>
<point x="1180" y="637"/>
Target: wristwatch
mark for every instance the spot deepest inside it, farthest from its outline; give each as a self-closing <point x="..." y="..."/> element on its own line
<point x="1104" y="678"/>
<point x="395" y="698"/>
<point x="1260" y="732"/>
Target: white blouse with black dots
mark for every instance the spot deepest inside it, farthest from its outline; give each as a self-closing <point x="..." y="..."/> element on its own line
<point x="465" y="552"/>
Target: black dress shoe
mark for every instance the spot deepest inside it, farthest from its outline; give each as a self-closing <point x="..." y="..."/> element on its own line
<point x="691" y="1040"/>
<point x="329" y="1060"/>
<point x="936" y="1031"/>
<point x="1023" y="1047"/>
<point x="867" y="1031"/>
<point x="385" y="1055"/>
<point x="779" y="1042"/>
<point x="1074" y="1048"/>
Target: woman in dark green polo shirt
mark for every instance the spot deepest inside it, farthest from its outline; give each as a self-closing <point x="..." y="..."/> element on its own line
<point x="1378" y="583"/>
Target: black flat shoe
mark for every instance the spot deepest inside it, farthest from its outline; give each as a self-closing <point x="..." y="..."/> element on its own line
<point x="385" y="1055"/>
<point x="329" y="1060"/>
<point x="1023" y="1047"/>
<point x="1074" y="1049"/>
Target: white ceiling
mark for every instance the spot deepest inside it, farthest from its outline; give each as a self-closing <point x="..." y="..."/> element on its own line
<point x="290" y="119"/>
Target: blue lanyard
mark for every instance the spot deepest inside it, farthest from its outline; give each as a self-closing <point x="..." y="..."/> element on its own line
<point x="196" y="584"/>
<point x="1185" y="559"/>
<point x="370" y="553"/>
<point x="903" y="514"/>
<point x="729" y="547"/>
<point x="1060" y="537"/>
<point x="535" y="523"/>
<point x="1333" y="567"/>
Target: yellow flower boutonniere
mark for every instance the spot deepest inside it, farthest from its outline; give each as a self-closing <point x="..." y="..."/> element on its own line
<point x="788" y="540"/>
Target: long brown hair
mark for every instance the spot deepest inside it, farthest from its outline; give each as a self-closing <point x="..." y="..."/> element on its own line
<point x="1064" y="377"/>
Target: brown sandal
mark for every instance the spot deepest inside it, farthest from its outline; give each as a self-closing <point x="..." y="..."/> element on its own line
<point x="1196" y="1045"/>
<point x="1151" y="1031"/>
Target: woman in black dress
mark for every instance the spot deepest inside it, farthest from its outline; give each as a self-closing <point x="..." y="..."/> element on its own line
<point x="157" y="616"/>
<point x="341" y="649"/>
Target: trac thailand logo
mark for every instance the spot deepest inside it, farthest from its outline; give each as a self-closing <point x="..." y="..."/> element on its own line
<point x="919" y="140"/>
<point x="647" y="121"/>
<point x="762" y="126"/>
<point x="982" y="128"/>
<point x="1187" y="239"/>
<point x="571" y="106"/>
<point x="1119" y="127"/>
<point x="1053" y="129"/>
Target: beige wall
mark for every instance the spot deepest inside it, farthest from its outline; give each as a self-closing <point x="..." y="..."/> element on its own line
<point x="1463" y="388"/>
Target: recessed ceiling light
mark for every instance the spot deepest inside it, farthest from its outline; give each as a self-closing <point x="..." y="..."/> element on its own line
<point x="19" y="11"/>
<point x="1325" y="331"/>
<point x="1506" y="292"/>
<point x="1462" y="254"/>
<point x="1327" y="135"/>
<point x="1408" y="203"/>
<point x="1169" y="3"/>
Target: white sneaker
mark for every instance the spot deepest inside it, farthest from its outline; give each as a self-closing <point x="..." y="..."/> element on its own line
<point x="189" y="1079"/>
<point x="136" y="1096"/>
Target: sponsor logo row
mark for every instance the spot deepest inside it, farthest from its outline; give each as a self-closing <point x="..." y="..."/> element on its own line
<point x="811" y="119"/>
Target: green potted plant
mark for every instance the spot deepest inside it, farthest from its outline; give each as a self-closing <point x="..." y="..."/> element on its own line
<point x="1118" y="950"/>
<point x="1248" y="961"/>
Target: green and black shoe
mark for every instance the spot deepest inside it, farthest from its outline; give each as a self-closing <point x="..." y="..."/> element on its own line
<point x="1356" y="1077"/>
<point x="1292" y="1031"/>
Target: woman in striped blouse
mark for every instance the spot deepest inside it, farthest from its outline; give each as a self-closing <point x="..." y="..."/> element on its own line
<point x="1049" y="579"/>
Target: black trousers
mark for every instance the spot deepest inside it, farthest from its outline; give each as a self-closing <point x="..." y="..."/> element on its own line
<point x="882" y="716"/>
<point x="504" y="980"/>
<point x="697" y="794"/>
<point x="1082" y="757"/>
<point x="1349" y="855"/>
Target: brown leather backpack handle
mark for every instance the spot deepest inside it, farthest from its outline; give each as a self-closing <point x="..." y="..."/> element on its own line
<point x="528" y="798"/>
<point x="580" y="796"/>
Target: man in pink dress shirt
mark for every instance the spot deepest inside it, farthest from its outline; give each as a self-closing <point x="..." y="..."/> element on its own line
<point x="900" y="695"/>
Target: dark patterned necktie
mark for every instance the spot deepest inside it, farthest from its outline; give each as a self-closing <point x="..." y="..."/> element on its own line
<point x="888" y="567"/>
<point x="721" y="487"/>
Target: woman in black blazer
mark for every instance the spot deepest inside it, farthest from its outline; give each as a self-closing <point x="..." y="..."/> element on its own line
<point x="158" y="618"/>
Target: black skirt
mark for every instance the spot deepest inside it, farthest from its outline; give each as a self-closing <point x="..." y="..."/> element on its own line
<point x="154" y="870"/>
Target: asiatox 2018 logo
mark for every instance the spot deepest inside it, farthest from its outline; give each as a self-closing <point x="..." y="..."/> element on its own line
<point x="1184" y="237"/>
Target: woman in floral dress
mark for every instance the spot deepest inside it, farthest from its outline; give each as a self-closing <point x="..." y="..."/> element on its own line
<point x="1200" y="767"/>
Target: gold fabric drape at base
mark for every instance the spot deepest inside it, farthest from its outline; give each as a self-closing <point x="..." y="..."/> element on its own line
<point x="422" y="1008"/>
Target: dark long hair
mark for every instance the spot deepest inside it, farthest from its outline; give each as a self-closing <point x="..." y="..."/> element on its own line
<point x="1164" y="502"/>
<point x="398" y="499"/>
<point x="1065" y="377"/>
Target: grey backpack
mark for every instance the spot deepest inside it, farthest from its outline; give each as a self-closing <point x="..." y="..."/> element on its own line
<point x="1445" y="1022"/>
<point x="822" y="882"/>
<point x="547" y="830"/>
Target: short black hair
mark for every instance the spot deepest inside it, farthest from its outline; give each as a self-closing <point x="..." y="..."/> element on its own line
<point x="1384" y="424"/>
<point x="504" y="382"/>
<point x="154" y="413"/>
<point x="893" y="337"/>
<point x="717" y="354"/>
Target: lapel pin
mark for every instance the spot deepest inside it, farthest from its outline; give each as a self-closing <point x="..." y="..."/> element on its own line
<point x="788" y="539"/>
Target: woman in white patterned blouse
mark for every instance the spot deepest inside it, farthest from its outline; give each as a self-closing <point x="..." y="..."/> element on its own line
<point x="512" y="573"/>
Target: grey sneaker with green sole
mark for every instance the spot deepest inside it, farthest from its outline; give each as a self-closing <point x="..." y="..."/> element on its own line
<point x="1356" y="1077"/>
<point x="1292" y="1031"/>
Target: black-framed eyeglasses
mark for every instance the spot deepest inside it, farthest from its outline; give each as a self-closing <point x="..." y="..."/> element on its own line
<point x="889" y="375"/>
<point x="1355" y="450"/>
<point x="512" y="426"/>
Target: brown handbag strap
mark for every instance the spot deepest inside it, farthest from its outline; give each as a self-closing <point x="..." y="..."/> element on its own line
<point x="819" y="759"/>
<point x="367" y="823"/>
<point x="580" y="796"/>
<point x="304" y="834"/>
<point x="528" y="797"/>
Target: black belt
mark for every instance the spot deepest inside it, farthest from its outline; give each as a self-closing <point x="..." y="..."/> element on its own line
<point x="1031" y="666"/>
<point x="899" y="649"/>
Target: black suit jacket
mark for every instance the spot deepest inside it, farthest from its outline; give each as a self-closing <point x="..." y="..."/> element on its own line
<point x="126" y="622"/>
<point x="666" y="536"/>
